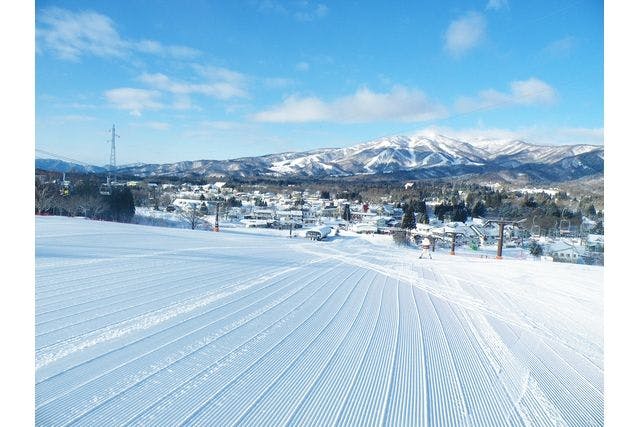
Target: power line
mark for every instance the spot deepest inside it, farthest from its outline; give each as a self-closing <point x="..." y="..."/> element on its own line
<point x="61" y="157"/>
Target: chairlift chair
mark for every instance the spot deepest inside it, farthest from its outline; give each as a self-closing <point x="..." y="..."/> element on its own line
<point x="535" y="230"/>
<point x="105" y="189"/>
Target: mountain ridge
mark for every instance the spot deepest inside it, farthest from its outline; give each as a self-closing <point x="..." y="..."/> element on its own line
<point x="420" y="156"/>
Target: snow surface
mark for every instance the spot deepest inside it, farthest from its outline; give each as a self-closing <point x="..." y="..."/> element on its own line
<point x="141" y="325"/>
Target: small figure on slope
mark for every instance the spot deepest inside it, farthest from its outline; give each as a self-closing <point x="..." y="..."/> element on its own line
<point x="426" y="246"/>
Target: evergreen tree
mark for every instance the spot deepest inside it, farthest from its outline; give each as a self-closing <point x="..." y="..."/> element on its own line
<point x="422" y="218"/>
<point x="232" y="202"/>
<point x="479" y="210"/>
<point x="598" y="229"/>
<point x="460" y="213"/>
<point x="529" y="202"/>
<point x="121" y="205"/>
<point x="346" y="212"/>
<point x="441" y="210"/>
<point x="408" y="219"/>
<point x="535" y="249"/>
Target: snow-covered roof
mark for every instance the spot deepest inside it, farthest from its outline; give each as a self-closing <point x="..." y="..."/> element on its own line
<point x="595" y="238"/>
<point x="561" y="246"/>
<point x="364" y="227"/>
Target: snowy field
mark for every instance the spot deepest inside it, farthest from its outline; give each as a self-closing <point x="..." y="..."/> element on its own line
<point x="141" y="325"/>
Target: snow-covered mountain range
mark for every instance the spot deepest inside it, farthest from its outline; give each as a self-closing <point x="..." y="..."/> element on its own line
<point x="414" y="157"/>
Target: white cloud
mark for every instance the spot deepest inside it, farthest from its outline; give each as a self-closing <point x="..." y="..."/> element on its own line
<point x="215" y="130"/>
<point x="152" y="125"/>
<point x="400" y="104"/>
<point x="70" y="118"/>
<point x="311" y="12"/>
<point x="523" y="92"/>
<point x="182" y="102"/>
<point x="302" y="66"/>
<point x="586" y="135"/>
<point x="134" y="100"/>
<point x="156" y="48"/>
<point x="71" y="35"/>
<point x="221" y="125"/>
<point x="271" y="6"/>
<point x="295" y="109"/>
<point x="215" y="82"/>
<point x="541" y="135"/>
<point x="219" y="73"/>
<point x="278" y="82"/>
<point x="301" y="10"/>
<point x="497" y="5"/>
<point x="532" y="91"/>
<point x="465" y="33"/>
<point x="219" y="83"/>
<point x="561" y="47"/>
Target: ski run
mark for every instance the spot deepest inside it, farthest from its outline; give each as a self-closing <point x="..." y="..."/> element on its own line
<point x="139" y="325"/>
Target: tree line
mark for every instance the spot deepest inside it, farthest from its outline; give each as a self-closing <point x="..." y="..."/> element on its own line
<point x="85" y="200"/>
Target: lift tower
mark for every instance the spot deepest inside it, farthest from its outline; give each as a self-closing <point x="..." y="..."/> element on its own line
<point x="501" y="223"/>
<point x="112" y="161"/>
<point x="105" y="189"/>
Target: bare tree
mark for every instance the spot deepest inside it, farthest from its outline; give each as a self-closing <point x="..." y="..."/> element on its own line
<point x="166" y="198"/>
<point x="193" y="215"/>
<point x="67" y="205"/>
<point x="45" y="197"/>
<point x="92" y="205"/>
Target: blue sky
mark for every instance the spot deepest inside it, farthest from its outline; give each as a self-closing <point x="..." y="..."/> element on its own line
<point x="225" y="79"/>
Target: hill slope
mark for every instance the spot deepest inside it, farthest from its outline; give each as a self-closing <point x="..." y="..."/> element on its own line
<point x="154" y="326"/>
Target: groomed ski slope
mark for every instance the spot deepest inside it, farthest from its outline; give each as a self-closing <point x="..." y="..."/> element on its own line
<point x="140" y="325"/>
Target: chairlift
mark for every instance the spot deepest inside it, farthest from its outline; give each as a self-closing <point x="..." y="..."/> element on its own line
<point x="105" y="189"/>
<point x="535" y="230"/>
<point x="565" y="227"/>
<point x="65" y="185"/>
<point x="65" y="189"/>
<point x="584" y="229"/>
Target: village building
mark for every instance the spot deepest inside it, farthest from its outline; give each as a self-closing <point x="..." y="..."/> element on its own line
<point x="566" y="252"/>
